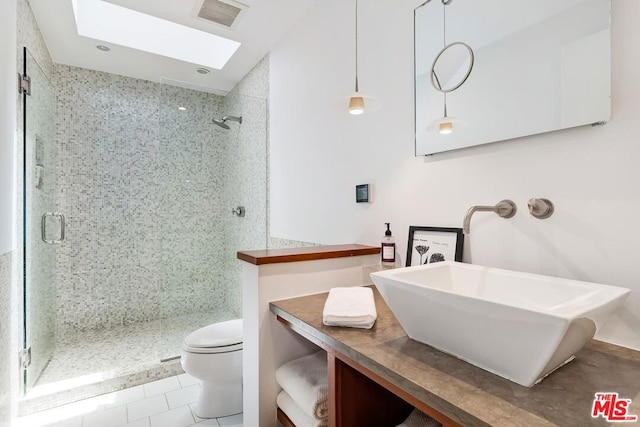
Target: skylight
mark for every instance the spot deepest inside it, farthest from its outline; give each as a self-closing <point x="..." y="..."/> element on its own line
<point x="118" y="25"/>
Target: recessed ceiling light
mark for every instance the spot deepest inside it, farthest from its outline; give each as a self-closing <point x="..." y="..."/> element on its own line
<point x="102" y="20"/>
<point x="103" y="48"/>
<point x="182" y="108"/>
<point x="203" y="71"/>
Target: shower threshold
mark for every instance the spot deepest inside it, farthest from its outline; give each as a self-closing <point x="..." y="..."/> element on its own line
<point x="92" y="363"/>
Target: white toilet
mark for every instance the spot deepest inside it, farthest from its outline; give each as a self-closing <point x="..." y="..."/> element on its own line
<point x="213" y="355"/>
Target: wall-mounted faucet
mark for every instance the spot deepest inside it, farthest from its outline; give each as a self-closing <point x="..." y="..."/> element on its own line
<point x="504" y="208"/>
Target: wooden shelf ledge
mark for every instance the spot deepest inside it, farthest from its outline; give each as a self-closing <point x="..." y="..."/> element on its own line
<point x="309" y="253"/>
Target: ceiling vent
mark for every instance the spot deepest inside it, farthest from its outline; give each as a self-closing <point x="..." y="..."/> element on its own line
<point x="225" y="13"/>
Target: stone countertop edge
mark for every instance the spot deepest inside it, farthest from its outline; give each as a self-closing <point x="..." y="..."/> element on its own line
<point x="463" y="392"/>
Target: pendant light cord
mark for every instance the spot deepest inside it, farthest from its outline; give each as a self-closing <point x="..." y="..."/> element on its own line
<point x="444" y="25"/>
<point x="356" y="38"/>
<point x="444" y="43"/>
<point x="445" y="104"/>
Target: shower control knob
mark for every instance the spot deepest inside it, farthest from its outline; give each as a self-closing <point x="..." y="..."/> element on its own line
<point x="540" y="208"/>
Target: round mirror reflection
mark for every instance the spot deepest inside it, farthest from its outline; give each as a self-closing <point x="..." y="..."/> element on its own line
<point x="452" y="67"/>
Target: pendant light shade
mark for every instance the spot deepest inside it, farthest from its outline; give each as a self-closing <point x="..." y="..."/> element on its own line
<point x="359" y="103"/>
<point x="356" y="105"/>
<point x="445" y="125"/>
<point x="445" y="128"/>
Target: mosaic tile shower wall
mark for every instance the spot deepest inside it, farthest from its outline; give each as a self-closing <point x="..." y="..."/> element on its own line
<point x="29" y="35"/>
<point x="107" y="145"/>
<point x="190" y="212"/>
<point x="246" y="177"/>
<point x="5" y="340"/>
<point x="139" y="182"/>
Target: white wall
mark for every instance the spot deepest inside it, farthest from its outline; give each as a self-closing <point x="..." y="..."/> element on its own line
<point x="319" y="153"/>
<point x="8" y="91"/>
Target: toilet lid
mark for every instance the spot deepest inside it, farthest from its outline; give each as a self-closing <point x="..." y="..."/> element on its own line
<point x="217" y="335"/>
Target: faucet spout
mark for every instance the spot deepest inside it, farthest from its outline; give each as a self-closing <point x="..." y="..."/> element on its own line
<point x="504" y="209"/>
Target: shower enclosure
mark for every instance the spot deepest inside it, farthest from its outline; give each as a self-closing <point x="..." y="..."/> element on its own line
<point x="42" y="227"/>
<point x="144" y="184"/>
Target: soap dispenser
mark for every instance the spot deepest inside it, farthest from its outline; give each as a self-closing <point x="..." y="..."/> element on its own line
<point x="388" y="249"/>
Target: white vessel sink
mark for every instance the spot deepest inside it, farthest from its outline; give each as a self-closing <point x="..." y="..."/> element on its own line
<point x="517" y="325"/>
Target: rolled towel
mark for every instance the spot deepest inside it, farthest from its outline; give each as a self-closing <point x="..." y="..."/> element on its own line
<point x="418" y="419"/>
<point x="353" y="307"/>
<point x="306" y="381"/>
<point x="296" y="414"/>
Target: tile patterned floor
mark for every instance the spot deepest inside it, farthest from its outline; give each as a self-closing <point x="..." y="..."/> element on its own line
<point x="164" y="403"/>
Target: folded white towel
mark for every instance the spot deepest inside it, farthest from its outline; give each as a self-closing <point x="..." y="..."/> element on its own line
<point x="353" y="307"/>
<point x="297" y="415"/>
<point x="306" y="381"/>
<point x="419" y="419"/>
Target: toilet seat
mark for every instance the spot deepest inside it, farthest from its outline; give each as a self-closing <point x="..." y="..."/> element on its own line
<point x="220" y="337"/>
<point x="211" y="350"/>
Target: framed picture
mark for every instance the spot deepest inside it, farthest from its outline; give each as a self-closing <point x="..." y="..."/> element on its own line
<point x="434" y="244"/>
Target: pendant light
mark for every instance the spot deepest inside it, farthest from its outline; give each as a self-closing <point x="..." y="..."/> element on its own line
<point x="445" y="124"/>
<point x="357" y="99"/>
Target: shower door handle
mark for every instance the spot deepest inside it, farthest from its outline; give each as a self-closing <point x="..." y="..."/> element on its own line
<point x="43" y="228"/>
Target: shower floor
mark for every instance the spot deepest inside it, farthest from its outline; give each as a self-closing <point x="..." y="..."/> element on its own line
<point x="95" y="362"/>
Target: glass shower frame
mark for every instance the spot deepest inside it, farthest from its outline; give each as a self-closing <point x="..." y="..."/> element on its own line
<point x="201" y="277"/>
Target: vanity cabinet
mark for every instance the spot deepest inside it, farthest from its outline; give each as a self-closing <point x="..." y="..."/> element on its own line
<point x="377" y="376"/>
<point x="357" y="396"/>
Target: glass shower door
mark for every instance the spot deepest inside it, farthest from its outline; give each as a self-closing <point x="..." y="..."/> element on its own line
<point x="43" y="227"/>
<point x="207" y="171"/>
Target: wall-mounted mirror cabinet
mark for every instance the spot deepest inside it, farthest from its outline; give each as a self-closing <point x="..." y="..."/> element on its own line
<point x="517" y="68"/>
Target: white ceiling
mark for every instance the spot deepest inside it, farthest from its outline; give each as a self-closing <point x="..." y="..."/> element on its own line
<point x="259" y="29"/>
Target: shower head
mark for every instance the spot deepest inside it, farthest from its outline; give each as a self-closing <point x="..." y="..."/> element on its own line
<point x="223" y="122"/>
